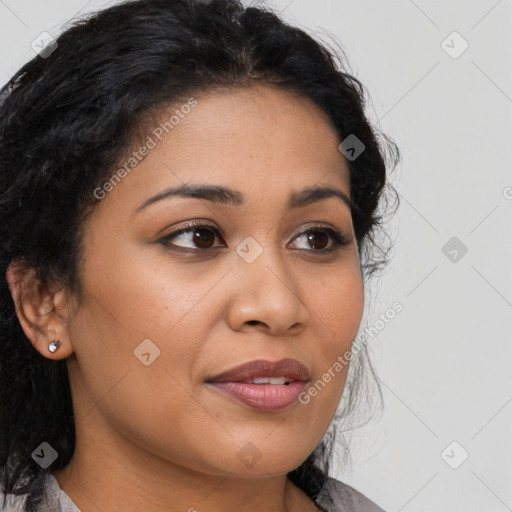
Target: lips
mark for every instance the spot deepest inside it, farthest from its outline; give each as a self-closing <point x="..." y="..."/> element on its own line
<point x="264" y="386"/>
<point x="291" y="369"/>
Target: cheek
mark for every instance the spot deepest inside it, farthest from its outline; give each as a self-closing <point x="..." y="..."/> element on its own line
<point x="336" y="306"/>
<point x="121" y="307"/>
<point x="152" y="404"/>
<point x="141" y="296"/>
<point x="127" y="301"/>
<point x="336" y="310"/>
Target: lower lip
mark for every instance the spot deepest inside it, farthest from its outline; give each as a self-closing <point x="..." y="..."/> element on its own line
<point x="263" y="397"/>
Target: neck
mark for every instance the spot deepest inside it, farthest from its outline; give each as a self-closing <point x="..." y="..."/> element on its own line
<point x="112" y="482"/>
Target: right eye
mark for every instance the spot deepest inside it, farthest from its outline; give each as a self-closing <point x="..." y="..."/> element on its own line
<point x="201" y="235"/>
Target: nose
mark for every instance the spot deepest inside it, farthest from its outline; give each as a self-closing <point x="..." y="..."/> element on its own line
<point x="266" y="296"/>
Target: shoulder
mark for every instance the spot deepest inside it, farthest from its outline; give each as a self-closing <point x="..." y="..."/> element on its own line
<point x="13" y="502"/>
<point x="337" y="496"/>
<point x="54" y="499"/>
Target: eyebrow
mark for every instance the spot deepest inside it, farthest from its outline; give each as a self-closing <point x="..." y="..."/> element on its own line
<point x="224" y="195"/>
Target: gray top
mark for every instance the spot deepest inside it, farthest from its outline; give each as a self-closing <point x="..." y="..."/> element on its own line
<point x="335" y="496"/>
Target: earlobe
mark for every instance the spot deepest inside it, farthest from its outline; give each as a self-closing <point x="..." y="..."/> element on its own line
<point x="41" y="311"/>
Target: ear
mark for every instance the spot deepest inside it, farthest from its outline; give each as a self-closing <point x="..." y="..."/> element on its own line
<point x="41" y="310"/>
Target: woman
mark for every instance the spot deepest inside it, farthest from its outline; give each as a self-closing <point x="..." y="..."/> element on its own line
<point x="188" y="195"/>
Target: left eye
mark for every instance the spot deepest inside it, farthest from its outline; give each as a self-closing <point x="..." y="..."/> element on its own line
<point x="203" y="236"/>
<point x="321" y="236"/>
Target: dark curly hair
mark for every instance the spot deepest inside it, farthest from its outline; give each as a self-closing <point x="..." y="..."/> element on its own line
<point x="67" y="118"/>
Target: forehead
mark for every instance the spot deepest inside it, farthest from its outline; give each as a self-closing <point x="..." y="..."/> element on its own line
<point x="261" y="140"/>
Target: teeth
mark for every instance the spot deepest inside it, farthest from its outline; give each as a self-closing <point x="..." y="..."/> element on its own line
<point x="277" y="380"/>
<point x="268" y="380"/>
<point x="259" y="380"/>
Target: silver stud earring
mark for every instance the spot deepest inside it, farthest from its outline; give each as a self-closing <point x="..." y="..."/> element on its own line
<point x="54" y="345"/>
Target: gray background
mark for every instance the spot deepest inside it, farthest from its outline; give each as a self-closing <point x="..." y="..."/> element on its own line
<point x="445" y="359"/>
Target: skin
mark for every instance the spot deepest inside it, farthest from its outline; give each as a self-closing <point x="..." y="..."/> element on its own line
<point x="150" y="436"/>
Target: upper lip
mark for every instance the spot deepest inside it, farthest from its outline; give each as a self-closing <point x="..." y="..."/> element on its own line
<point x="288" y="368"/>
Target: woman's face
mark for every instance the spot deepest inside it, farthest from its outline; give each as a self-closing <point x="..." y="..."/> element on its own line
<point x="162" y="315"/>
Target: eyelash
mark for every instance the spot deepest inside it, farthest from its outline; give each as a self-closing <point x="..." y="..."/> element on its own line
<point x="338" y="239"/>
